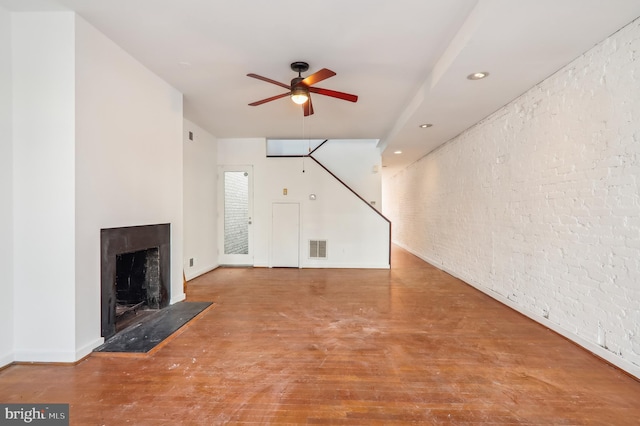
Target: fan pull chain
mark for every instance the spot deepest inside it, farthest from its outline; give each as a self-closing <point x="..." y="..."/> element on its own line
<point x="303" y="138"/>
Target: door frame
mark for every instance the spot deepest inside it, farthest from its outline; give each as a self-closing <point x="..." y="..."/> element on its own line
<point x="299" y="230"/>
<point x="234" y="259"/>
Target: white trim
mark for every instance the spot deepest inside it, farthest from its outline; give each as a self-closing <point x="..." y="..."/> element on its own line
<point x="178" y="298"/>
<point x="323" y="265"/>
<point x="189" y="275"/>
<point x="87" y="349"/>
<point x="45" y="356"/>
<point x="48" y="356"/>
<point x="7" y="359"/>
<point x="597" y="350"/>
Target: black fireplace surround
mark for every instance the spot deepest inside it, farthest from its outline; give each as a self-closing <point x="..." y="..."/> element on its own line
<point x="127" y="245"/>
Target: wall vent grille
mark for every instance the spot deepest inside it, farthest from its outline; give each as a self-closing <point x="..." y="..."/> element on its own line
<point x="318" y="249"/>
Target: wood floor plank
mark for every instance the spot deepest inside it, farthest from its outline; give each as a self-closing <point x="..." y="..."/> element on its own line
<point x="313" y="346"/>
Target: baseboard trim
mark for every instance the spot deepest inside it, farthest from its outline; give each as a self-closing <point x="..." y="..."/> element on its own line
<point x="178" y="298"/>
<point x="87" y="349"/>
<point x="595" y="349"/>
<point x="6" y="360"/>
<point x="189" y="275"/>
<point x="31" y="357"/>
<point x="346" y="266"/>
<point x="50" y="358"/>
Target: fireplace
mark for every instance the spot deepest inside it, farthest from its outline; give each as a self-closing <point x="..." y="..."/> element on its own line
<point x="135" y="277"/>
<point x="137" y="280"/>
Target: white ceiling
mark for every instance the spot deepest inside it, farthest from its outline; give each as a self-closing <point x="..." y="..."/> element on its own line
<point x="407" y="60"/>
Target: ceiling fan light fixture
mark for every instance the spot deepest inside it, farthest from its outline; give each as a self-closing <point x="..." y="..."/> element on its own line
<point x="299" y="95"/>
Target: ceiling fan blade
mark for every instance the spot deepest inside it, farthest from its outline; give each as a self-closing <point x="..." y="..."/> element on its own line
<point x="308" y="108"/>
<point x="264" y="101"/>
<point x="323" y="74"/>
<point x="334" y="94"/>
<point x="268" y="80"/>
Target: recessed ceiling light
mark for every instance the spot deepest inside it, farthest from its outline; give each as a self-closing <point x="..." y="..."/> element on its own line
<point x="478" y="75"/>
<point x="397" y="152"/>
<point x="424" y="126"/>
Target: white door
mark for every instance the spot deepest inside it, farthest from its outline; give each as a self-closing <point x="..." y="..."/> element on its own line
<point x="235" y="224"/>
<point x="285" y="239"/>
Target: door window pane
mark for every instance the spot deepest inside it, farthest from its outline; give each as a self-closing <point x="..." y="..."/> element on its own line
<point x="236" y="213"/>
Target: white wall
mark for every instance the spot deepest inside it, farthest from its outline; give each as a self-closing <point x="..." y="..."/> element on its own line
<point x="357" y="236"/>
<point x="200" y="201"/>
<point x="129" y="163"/>
<point x="6" y="193"/>
<point x="97" y="143"/>
<point x="539" y="205"/>
<point x="357" y="162"/>
<point x="44" y="180"/>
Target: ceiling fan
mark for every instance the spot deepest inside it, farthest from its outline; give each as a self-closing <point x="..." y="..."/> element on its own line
<point x="301" y="88"/>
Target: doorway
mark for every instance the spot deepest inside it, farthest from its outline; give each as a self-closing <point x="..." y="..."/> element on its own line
<point x="236" y="246"/>
<point x="285" y="239"/>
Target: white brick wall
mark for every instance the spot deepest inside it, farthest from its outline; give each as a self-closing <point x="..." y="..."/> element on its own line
<point x="539" y="203"/>
<point x="236" y="213"/>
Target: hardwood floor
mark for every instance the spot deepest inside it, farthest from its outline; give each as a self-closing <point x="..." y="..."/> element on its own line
<point x="410" y="345"/>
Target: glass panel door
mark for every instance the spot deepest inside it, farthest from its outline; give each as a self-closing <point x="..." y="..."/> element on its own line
<point x="236" y="215"/>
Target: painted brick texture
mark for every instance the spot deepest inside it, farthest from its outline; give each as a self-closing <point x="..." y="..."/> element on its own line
<point x="539" y="202"/>
<point x="236" y="213"/>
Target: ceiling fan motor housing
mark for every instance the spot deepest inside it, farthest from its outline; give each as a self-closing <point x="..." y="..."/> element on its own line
<point x="299" y="89"/>
<point x="295" y="82"/>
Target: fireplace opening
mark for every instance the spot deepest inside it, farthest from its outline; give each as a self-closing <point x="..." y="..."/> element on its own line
<point x="137" y="285"/>
<point x="135" y="274"/>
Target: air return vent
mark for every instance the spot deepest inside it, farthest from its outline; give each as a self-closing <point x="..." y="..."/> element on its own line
<point x="318" y="249"/>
